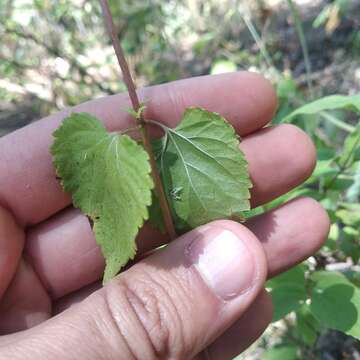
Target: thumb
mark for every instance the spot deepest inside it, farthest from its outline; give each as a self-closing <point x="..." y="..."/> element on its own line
<point x="170" y="305"/>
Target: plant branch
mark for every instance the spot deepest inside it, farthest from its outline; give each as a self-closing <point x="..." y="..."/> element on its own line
<point x="165" y="209"/>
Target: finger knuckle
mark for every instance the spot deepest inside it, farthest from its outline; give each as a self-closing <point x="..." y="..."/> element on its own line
<point x="153" y="312"/>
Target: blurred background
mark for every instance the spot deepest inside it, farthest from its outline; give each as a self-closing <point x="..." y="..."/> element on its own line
<point x="56" y="53"/>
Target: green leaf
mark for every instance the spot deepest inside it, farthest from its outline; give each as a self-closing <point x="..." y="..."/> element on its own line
<point x="350" y="242"/>
<point x="203" y="171"/>
<point x="351" y="144"/>
<point x="335" y="302"/>
<point x="222" y="66"/>
<point x="331" y="242"/>
<point x="349" y="214"/>
<point x="287" y="291"/>
<point x="353" y="193"/>
<point x="322" y="17"/>
<point x="307" y="327"/>
<point x="323" y="168"/>
<point x="108" y="176"/>
<point x="286" y="87"/>
<point x="331" y="102"/>
<point x="155" y="214"/>
<point x="281" y="352"/>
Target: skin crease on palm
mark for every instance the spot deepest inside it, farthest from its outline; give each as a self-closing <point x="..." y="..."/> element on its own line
<point x="50" y="265"/>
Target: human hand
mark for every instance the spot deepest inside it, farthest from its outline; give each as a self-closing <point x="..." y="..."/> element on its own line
<point x="203" y="291"/>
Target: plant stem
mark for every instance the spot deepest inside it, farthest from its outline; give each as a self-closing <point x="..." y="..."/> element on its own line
<point x="337" y="122"/>
<point x="165" y="209"/>
<point x="156" y="123"/>
<point x="300" y="31"/>
<point x="260" y="44"/>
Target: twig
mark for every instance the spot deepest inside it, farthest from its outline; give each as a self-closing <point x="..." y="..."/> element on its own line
<point x="165" y="209"/>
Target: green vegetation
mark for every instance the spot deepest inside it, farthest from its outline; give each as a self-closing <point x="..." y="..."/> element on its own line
<point x="53" y="54"/>
<point x="108" y="176"/>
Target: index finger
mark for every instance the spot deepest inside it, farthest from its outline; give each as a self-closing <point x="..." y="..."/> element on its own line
<point x="28" y="184"/>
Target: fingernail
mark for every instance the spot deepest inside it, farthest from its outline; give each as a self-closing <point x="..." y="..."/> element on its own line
<point x="223" y="261"/>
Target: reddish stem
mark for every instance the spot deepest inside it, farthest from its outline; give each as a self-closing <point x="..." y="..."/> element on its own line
<point x="166" y="212"/>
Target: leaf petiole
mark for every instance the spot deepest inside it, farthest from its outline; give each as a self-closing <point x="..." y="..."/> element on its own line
<point x="139" y="118"/>
<point x="128" y="130"/>
<point x="157" y="123"/>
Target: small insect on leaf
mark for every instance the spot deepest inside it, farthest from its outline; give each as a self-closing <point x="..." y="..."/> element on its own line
<point x="108" y="177"/>
<point x="176" y="193"/>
